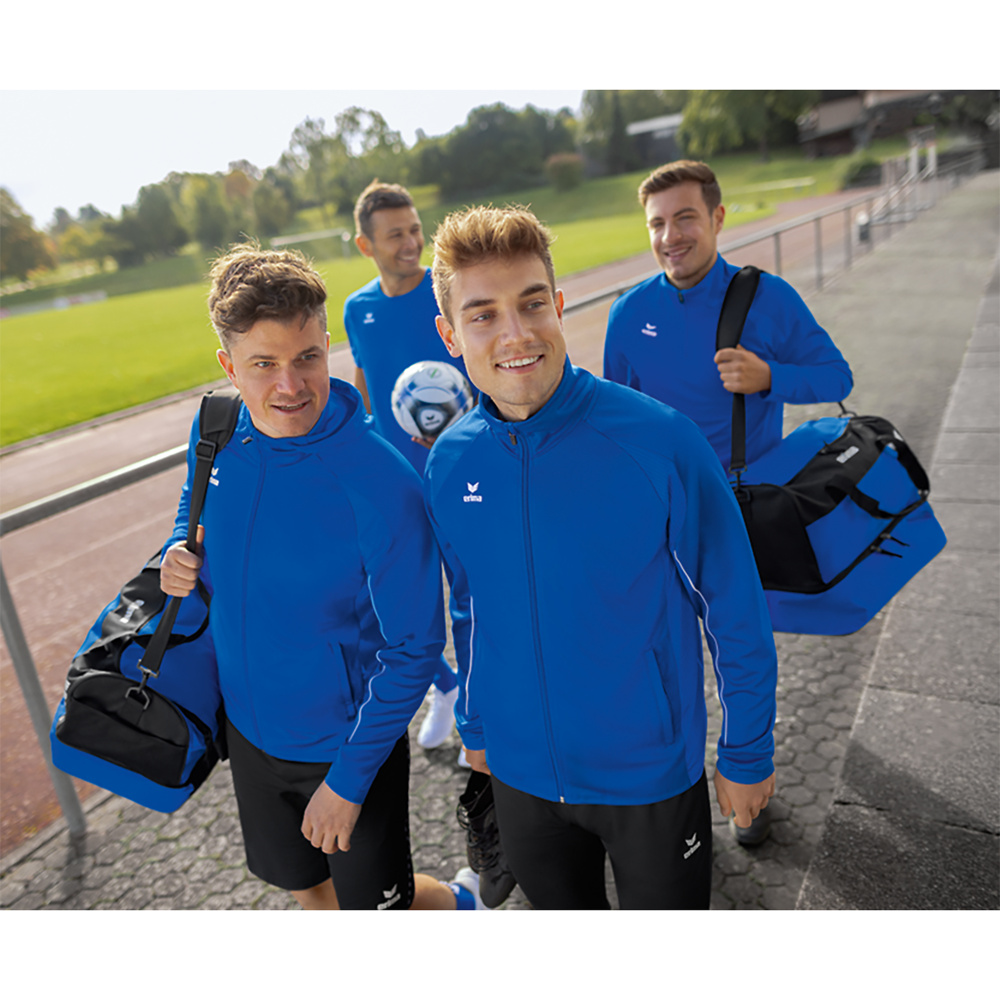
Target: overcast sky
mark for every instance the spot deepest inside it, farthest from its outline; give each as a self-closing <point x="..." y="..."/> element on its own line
<point x="70" y="148"/>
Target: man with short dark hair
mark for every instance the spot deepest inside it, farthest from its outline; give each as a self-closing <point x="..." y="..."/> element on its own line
<point x="588" y="529"/>
<point x="327" y="613"/>
<point x="390" y="326"/>
<point x="661" y="334"/>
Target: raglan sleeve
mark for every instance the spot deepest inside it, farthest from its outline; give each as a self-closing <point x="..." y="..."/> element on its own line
<point x="403" y="570"/>
<point x="806" y="365"/>
<point x="708" y="541"/>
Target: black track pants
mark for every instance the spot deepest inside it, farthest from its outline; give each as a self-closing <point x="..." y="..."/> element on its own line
<point x="661" y="854"/>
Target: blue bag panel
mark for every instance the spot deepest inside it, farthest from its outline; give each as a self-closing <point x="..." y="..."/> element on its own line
<point x="868" y="588"/>
<point x="839" y="537"/>
<point x="114" y="778"/>
<point x="787" y="459"/>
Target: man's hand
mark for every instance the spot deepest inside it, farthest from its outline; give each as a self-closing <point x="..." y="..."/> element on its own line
<point x="179" y="567"/>
<point x="424" y="442"/>
<point x="329" y="820"/>
<point x="746" y="801"/>
<point x="742" y="371"/>
<point x="477" y="761"/>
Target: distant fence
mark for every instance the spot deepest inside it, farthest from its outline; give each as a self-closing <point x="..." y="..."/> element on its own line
<point x="907" y="191"/>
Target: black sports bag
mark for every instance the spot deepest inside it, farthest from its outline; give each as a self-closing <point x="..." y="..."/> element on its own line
<point x="837" y="512"/>
<point x="141" y="713"/>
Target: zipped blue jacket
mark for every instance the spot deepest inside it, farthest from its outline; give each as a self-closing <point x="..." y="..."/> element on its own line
<point x="587" y="544"/>
<point x="661" y="341"/>
<point x="327" y="612"/>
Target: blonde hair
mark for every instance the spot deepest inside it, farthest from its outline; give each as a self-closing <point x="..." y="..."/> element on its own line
<point x="483" y="233"/>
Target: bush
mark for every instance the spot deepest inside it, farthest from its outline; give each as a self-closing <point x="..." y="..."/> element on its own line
<point x="863" y="169"/>
<point x="564" y="170"/>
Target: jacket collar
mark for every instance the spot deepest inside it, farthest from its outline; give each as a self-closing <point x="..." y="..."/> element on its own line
<point x="342" y="418"/>
<point x="709" y="289"/>
<point x="562" y="412"/>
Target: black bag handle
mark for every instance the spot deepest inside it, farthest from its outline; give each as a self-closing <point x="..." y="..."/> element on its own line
<point x="735" y="307"/>
<point x="216" y="423"/>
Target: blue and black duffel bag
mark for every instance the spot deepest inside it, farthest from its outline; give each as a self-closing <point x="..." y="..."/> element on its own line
<point x="837" y="513"/>
<point x="142" y="714"/>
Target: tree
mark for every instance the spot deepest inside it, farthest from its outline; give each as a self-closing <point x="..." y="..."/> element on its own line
<point x="315" y="154"/>
<point x="496" y="149"/>
<point x="22" y="248"/>
<point x="605" y="115"/>
<point x="210" y="219"/>
<point x="717" y="121"/>
<point x="271" y="208"/>
<point x="61" y="221"/>
<point x="159" y="231"/>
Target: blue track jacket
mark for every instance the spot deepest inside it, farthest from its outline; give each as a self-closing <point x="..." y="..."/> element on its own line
<point x="327" y="612"/>
<point x="661" y="341"/>
<point x="586" y="543"/>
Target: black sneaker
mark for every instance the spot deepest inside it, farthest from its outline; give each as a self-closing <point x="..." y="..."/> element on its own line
<point x="477" y="817"/>
<point x="756" y="833"/>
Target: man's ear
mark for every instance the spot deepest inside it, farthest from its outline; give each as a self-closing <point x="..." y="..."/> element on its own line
<point x="717" y="217"/>
<point x="447" y="333"/>
<point x="227" y="365"/>
<point x="363" y="244"/>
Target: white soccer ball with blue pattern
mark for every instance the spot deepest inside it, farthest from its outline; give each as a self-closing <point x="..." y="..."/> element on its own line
<point x="430" y="396"/>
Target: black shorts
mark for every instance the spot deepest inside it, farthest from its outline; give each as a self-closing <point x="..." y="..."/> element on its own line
<point x="272" y="795"/>
<point x="661" y="854"/>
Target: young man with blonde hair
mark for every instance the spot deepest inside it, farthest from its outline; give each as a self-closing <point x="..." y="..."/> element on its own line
<point x="661" y="334"/>
<point x="326" y="613"/>
<point x="588" y="529"/>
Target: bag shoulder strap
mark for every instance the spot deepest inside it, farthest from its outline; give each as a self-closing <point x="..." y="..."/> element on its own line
<point x="216" y="423"/>
<point x="735" y="307"/>
<point x="220" y="409"/>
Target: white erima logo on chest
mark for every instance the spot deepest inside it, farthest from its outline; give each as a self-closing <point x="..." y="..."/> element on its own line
<point x="472" y="496"/>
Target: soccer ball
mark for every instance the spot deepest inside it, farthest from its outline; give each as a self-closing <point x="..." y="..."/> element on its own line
<point x="430" y="396"/>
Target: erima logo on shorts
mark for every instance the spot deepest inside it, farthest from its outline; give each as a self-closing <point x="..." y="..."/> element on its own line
<point x="391" y="896"/>
<point x="693" y="844"/>
<point x="472" y="496"/>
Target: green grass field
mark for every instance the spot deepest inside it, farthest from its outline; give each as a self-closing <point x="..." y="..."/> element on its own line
<point x="61" y="367"/>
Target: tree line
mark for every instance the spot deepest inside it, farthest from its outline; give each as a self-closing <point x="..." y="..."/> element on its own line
<point x="324" y="168"/>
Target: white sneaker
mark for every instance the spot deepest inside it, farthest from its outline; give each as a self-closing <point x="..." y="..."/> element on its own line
<point x="468" y="879"/>
<point x="462" y="761"/>
<point x="436" y="727"/>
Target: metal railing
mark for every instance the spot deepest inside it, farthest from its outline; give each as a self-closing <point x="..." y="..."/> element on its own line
<point x="900" y="201"/>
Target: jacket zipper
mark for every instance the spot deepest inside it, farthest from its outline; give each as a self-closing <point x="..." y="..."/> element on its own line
<point x="535" y="631"/>
<point x="246" y="580"/>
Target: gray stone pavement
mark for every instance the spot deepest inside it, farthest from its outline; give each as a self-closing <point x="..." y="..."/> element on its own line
<point x="887" y="740"/>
